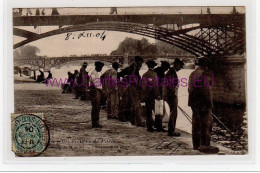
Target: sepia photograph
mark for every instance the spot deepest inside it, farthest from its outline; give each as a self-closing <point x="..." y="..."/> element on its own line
<point x="129" y="81"/>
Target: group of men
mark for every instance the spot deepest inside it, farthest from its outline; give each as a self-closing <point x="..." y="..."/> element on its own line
<point x="123" y="102"/>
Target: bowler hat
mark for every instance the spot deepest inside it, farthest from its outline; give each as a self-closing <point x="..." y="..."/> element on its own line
<point x="178" y="61"/>
<point x="115" y="64"/>
<point x="204" y="61"/>
<point x="85" y="63"/>
<point x="151" y="63"/>
<point x="99" y="64"/>
<point x="165" y="64"/>
<point x="138" y="58"/>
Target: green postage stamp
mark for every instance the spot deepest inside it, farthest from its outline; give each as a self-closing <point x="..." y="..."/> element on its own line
<point x="30" y="135"/>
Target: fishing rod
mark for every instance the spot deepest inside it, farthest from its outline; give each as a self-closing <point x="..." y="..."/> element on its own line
<point x="214" y="116"/>
<point x="185" y="114"/>
<point x="219" y="121"/>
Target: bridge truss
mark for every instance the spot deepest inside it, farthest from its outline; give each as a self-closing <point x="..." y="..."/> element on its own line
<point x="211" y="38"/>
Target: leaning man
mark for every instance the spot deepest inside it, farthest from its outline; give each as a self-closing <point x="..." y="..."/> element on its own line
<point x="96" y="93"/>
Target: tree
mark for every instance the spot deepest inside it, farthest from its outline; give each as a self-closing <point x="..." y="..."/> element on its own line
<point x="168" y="49"/>
<point x="27" y="51"/>
<point x="135" y="47"/>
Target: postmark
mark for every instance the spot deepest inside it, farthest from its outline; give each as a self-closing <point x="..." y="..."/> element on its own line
<point x="30" y="134"/>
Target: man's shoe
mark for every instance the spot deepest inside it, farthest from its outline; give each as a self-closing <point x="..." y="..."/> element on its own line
<point x="161" y="130"/>
<point x="208" y="149"/>
<point x="150" y="129"/>
<point x="97" y="126"/>
<point x="141" y="125"/>
<point x="174" y="134"/>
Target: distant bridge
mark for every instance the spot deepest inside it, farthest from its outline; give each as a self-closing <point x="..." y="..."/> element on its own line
<point x="52" y="62"/>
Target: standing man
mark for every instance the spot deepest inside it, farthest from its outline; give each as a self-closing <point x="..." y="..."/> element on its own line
<point x="160" y="71"/>
<point x="37" y="12"/>
<point x="96" y="94"/>
<point x="170" y="94"/>
<point x="131" y="96"/>
<point x="83" y="81"/>
<point x="110" y="89"/>
<point x="54" y="12"/>
<point x="150" y="92"/>
<point x="113" y="10"/>
<point x="200" y="101"/>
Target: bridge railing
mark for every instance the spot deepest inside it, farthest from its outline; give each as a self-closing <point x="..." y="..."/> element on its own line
<point x="125" y="10"/>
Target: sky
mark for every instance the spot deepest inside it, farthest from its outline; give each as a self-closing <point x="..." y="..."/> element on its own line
<point x="55" y="46"/>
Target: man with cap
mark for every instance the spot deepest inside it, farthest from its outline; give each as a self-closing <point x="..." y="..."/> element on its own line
<point x="131" y="93"/>
<point x="83" y="81"/>
<point x="200" y="101"/>
<point x="150" y="92"/>
<point x="160" y="71"/>
<point x="110" y="89"/>
<point x="170" y="94"/>
<point x="95" y="93"/>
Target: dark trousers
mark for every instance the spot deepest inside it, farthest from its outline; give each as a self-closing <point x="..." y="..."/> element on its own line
<point x="136" y="114"/>
<point x="78" y="91"/>
<point x="95" y="96"/>
<point x="149" y="106"/>
<point x="201" y="127"/>
<point x="112" y="104"/>
<point x="130" y="106"/>
<point x="173" y="103"/>
<point x="158" y="122"/>
<point x="125" y="106"/>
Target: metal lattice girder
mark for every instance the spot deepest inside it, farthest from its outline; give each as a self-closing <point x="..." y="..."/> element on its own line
<point x="228" y="39"/>
<point x="208" y="41"/>
<point x="145" y="30"/>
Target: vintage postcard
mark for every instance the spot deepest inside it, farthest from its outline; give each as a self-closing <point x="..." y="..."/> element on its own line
<point x="129" y="81"/>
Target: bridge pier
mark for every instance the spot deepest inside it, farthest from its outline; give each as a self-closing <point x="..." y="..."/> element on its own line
<point x="229" y="80"/>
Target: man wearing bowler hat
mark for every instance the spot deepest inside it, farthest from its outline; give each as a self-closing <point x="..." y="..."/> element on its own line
<point x="96" y="94"/>
<point x="160" y="71"/>
<point x="150" y="92"/>
<point x="131" y="95"/>
<point x="170" y="94"/>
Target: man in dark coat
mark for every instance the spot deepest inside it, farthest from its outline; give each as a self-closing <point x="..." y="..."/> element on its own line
<point x="131" y="95"/>
<point x="83" y="81"/>
<point x="40" y="77"/>
<point x="200" y="101"/>
<point x="150" y="92"/>
<point x="160" y="71"/>
<point x="75" y="84"/>
<point x="170" y="94"/>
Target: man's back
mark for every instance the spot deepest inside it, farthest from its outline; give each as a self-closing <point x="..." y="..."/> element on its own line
<point x="200" y="94"/>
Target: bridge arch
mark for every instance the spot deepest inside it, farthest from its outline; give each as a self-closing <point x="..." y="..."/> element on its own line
<point x="197" y="45"/>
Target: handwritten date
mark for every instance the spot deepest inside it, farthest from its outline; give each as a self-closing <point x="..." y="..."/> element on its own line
<point x="81" y="35"/>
